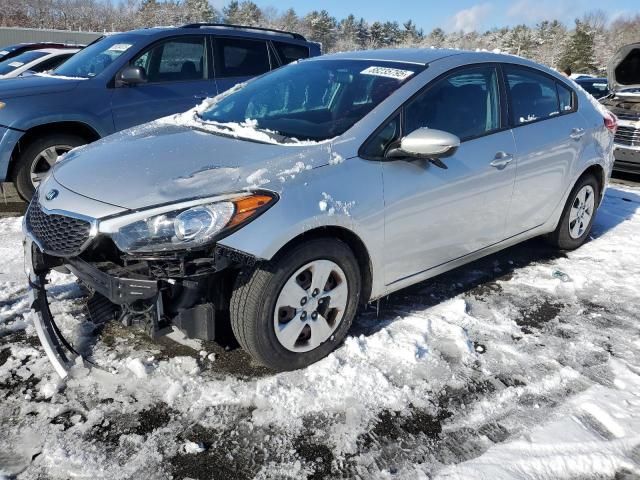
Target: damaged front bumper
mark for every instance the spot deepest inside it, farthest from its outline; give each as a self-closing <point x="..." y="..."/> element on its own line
<point x="156" y="304"/>
<point x="61" y="354"/>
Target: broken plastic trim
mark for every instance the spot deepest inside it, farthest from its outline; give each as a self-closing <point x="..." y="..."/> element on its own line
<point x="61" y="354"/>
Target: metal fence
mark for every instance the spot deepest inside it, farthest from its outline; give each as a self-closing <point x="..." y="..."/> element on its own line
<point x="10" y="36"/>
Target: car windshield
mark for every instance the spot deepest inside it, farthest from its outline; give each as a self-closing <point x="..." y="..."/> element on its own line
<point x="18" y="61"/>
<point x="597" y="88"/>
<point x="312" y="100"/>
<point x="92" y="60"/>
<point x="6" y="50"/>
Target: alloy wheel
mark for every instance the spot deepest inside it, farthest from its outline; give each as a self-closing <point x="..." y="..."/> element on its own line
<point x="43" y="162"/>
<point x="310" y="306"/>
<point x="581" y="212"/>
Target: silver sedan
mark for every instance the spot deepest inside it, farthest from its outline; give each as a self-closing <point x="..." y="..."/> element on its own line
<point x="283" y="205"/>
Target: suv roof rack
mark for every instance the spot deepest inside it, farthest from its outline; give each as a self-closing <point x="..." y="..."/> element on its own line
<point x="297" y="36"/>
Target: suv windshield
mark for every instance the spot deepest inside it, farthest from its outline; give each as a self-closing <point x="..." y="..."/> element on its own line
<point x="92" y="60"/>
<point x="312" y="100"/>
<point x="11" y="64"/>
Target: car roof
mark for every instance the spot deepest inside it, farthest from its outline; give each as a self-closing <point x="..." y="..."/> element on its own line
<point x="226" y="30"/>
<point x="420" y="56"/>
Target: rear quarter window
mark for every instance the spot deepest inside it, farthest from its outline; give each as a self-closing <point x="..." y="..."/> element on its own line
<point x="565" y="97"/>
<point x="290" y="53"/>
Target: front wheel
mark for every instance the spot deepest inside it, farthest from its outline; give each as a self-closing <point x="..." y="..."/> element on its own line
<point x="578" y="214"/>
<point x="294" y="310"/>
<point x="35" y="161"/>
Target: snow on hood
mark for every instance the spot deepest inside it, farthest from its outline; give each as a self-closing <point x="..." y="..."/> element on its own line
<point x="623" y="69"/>
<point x="162" y="162"/>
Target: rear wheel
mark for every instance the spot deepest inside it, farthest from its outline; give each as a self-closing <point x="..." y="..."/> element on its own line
<point x="578" y="214"/>
<point x="35" y="161"/>
<point x="294" y="310"/>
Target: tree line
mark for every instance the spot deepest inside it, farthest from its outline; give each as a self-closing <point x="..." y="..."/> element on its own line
<point x="584" y="46"/>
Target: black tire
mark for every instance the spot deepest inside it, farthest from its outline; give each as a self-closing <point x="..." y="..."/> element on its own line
<point x="561" y="238"/>
<point x="27" y="157"/>
<point x="256" y="291"/>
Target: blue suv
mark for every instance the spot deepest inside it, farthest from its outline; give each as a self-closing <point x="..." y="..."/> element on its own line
<point x="127" y="79"/>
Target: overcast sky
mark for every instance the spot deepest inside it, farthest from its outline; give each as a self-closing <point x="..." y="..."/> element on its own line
<point x="464" y="15"/>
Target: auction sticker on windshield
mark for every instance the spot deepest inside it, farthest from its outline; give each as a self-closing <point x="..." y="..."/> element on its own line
<point x="119" y="47"/>
<point x="396" y="73"/>
<point x="16" y="64"/>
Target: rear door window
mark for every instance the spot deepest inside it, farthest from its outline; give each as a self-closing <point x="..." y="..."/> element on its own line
<point x="237" y="57"/>
<point x="535" y="96"/>
<point x="290" y="53"/>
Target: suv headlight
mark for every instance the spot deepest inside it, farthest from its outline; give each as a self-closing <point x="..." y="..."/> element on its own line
<point x="186" y="225"/>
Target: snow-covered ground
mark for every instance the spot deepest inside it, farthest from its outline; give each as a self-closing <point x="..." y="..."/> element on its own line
<point x="523" y="365"/>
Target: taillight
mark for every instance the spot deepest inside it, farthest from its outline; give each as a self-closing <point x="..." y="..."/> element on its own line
<point x="611" y="122"/>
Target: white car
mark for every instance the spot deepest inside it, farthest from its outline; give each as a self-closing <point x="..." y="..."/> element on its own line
<point x="35" y="61"/>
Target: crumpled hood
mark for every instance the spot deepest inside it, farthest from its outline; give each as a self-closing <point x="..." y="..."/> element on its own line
<point x="160" y="163"/>
<point x="35" y="85"/>
<point x="623" y="70"/>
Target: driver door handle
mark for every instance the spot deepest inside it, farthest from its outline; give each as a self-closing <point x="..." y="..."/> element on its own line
<point x="501" y="160"/>
<point x="577" y="133"/>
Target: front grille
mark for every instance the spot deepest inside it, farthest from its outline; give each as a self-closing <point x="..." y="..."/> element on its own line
<point x="57" y="234"/>
<point x="627" y="116"/>
<point x="628" y="136"/>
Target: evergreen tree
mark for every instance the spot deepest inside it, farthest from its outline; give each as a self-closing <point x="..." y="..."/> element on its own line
<point x="347" y="34"/>
<point x="411" y="35"/>
<point x="436" y="38"/>
<point x="231" y="13"/>
<point x="362" y="33"/>
<point x="520" y="41"/>
<point x="249" y="14"/>
<point x="579" y="50"/>
<point x="376" y="35"/>
<point x="322" y="28"/>
<point x="289" y="21"/>
<point x="199" y="11"/>
<point x="391" y="34"/>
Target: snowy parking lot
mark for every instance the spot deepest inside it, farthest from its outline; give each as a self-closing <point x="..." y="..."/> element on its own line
<point x="525" y="365"/>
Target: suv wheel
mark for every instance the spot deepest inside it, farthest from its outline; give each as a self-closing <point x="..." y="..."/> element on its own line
<point x="294" y="310"/>
<point x="578" y="214"/>
<point x="35" y="161"/>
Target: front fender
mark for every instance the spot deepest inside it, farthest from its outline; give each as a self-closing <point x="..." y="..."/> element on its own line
<point x="348" y="195"/>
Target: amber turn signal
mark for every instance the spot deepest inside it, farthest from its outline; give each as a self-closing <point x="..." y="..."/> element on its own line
<point x="246" y="207"/>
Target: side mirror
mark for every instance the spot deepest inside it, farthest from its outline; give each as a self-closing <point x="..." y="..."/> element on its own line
<point x="426" y="143"/>
<point x="132" y="75"/>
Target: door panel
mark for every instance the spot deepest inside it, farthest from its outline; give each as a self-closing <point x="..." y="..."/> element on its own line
<point x="549" y="138"/>
<point x="545" y="155"/>
<point x="177" y="80"/>
<point x="435" y="215"/>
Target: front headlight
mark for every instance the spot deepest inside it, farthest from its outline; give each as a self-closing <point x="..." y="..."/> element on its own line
<point x="189" y="226"/>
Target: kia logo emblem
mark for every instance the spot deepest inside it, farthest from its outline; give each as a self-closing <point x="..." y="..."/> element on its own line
<point x="51" y="194"/>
